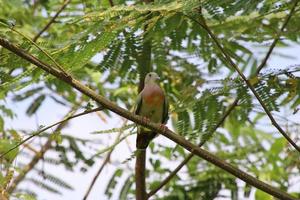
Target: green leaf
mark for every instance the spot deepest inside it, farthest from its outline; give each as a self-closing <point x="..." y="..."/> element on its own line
<point x="6" y="145"/>
<point x="27" y="94"/>
<point x="80" y="53"/>
<point x="35" y="105"/>
<point x="56" y="136"/>
<point x="2" y="179"/>
<point x="278" y="146"/>
<point x="113" y="182"/>
<point x="26" y="197"/>
<point x="126" y="188"/>
<point x="262" y="195"/>
<point x="1" y="124"/>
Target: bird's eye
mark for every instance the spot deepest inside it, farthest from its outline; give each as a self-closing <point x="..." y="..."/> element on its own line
<point x="150" y="75"/>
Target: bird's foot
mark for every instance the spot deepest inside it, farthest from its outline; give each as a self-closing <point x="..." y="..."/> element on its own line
<point x="146" y="120"/>
<point x="163" y="127"/>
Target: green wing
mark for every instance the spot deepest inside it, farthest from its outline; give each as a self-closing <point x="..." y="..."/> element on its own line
<point x="165" y="116"/>
<point x="138" y="105"/>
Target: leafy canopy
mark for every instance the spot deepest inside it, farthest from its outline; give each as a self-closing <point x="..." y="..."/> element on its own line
<point x="110" y="48"/>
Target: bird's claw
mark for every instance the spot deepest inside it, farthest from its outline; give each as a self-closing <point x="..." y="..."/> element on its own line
<point x="163" y="127"/>
<point x="146" y="120"/>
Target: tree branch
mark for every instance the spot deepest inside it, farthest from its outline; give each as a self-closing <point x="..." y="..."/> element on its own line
<point x="144" y="66"/>
<point x="231" y="107"/>
<point x="142" y="138"/>
<point x="189" y="157"/>
<point x="106" y="161"/>
<point x="47" y="145"/>
<point x="227" y="57"/>
<point x="153" y="126"/>
<point x="286" y="21"/>
<point x="140" y="174"/>
<point x="111" y="3"/>
<point x="40" y="154"/>
<point x="52" y="20"/>
<point x="48" y="127"/>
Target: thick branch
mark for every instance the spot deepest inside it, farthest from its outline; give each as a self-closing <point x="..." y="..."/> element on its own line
<point x="153" y="126"/>
<point x="140" y="174"/>
<point x="142" y="139"/>
<point x="47" y="145"/>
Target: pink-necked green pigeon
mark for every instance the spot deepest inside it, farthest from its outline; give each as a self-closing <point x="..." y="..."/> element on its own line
<point x="153" y="105"/>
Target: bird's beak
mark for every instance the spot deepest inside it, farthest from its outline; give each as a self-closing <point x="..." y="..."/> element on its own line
<point x="157" y="78"/>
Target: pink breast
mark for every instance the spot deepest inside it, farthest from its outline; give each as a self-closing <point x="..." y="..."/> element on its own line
<point x="153" y="95"/>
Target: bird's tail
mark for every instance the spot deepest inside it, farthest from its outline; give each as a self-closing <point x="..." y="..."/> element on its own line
<point x="144" y="138"/>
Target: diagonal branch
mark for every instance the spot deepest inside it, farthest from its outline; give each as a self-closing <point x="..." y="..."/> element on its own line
<point x="229" y="60"/>
<point x="190" y="156"/>
<point x="48" y="127"/>
<point x="47" y="145"/>
<point x="33" y="41"/>
<point x="231" y="107"/>
<point x="286" y="21"/>
<point x="52" y="20"/>
<point x="152" y="126"/>
<point x="40" y="154"/>
<point x="105" y="162"/>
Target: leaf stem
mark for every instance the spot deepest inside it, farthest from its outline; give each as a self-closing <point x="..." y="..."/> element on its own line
<point x="276" y="39"/>
<point x="48" y="127"/>
<point x="40" y="153"/>
<point x="234" y="66"/>
<point x="231" y="107"/>
<point x="66" y="2"/>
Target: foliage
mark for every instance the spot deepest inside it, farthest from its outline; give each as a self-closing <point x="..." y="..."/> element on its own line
<point x="104" y="47"/>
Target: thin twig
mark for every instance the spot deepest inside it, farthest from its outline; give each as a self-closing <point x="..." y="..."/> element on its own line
<point x="105" y="162"/>
<point x="40" y="154"/>
<point x="189" y="157"/>
<point x="36" y="45"/>
<point x="52" y="20"/>
<point x="286" y="21"/>
<point x="42" y="50"/>
<point x="231" y="107"/>
<point x="152" y="126"/>
<point x="229" y="60"/>
<point x="48" y="127"/>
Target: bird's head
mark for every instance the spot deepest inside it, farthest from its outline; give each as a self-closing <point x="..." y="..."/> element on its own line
<point x="151" y="77"/>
